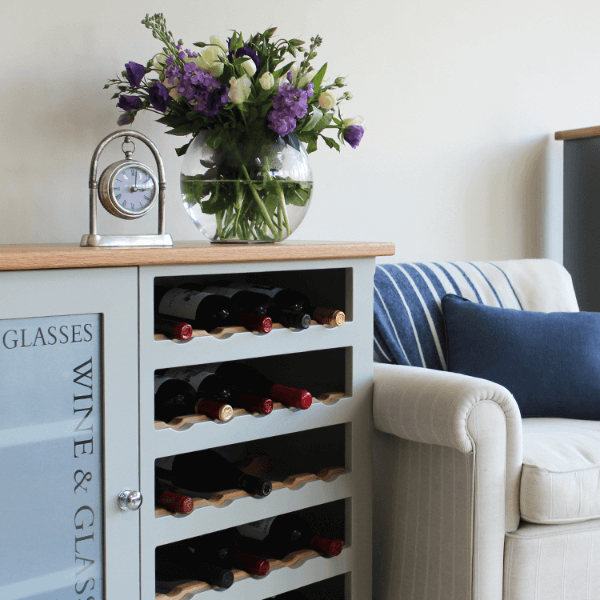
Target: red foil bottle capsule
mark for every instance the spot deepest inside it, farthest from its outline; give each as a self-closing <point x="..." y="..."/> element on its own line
<point x="326" y="546"/>
<point x="293" y="397"/>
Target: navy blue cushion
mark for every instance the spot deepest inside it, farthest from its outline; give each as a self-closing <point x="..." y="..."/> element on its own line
<point x="550" y="362"/>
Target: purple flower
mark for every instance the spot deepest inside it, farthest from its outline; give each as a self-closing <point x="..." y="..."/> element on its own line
<point x="199" y="88"/>
<point x="135" y="73"/>
<point x="353" y="135"/>
<point x="289" y="105"/>
<point x="159" y="97"/>
<point x="245" y="51"/>
<point x="126" y="118"/>
<point x="128" y="103"/>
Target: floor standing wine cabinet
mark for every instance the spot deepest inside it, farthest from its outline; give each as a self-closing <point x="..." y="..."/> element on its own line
<point x="78" y="439"/>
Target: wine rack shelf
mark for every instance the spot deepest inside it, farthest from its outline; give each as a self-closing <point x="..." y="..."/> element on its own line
<point x="86" y="340"/>
<point x="229" y="496"/>
<point x="187" y="420"/>
<point x="223" y="333"/>
<point x="168" y="529"/>
<point x="299" y="561"/>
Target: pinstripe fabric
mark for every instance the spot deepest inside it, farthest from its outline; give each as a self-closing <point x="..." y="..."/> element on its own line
<point x="553" y="562"/>
<point x="560" y="480"/>
<point x="408" y="317"/>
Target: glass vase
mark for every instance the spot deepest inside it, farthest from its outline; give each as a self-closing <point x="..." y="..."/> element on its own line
<point x="248" y="189"/>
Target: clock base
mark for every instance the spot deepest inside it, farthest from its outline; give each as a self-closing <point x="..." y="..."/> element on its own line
<point x="126" y="241"/>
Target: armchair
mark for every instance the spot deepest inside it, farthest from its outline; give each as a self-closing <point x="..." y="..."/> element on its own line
<point x="471" y="501"/>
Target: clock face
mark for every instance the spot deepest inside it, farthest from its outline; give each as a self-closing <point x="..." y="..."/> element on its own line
<point x="134" y="188"/>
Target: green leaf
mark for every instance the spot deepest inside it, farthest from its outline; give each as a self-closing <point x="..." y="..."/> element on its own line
<point x="277" y="74"/>
<point x="185" y="129"/>
<point x="312" y="146"/>
<point x="331" y="143"/>
<point x="318" y="78"/>
<point x="298" y="196"/>
<point x="324" y="122"/>
<point x="314" y="119"/>
<point x="183" y="149"/>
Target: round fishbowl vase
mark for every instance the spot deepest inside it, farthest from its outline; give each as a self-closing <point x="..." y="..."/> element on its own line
<point x="247" y="190"/>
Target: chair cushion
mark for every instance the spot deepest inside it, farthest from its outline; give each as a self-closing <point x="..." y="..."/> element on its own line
<point x="550" y="362"/>
<point x="560" y="480"/>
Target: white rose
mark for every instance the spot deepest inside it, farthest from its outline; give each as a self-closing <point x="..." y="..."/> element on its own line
<point x="239" y="89"/>
<point x="306" y="79"/>
<point x="210" y="55"/>
<point x="220" y="42"/>
<point x="267" y="81"/>
<point x="249" y="67"/>
<point x="353" y="121"/>
<point x="327" y="100"/>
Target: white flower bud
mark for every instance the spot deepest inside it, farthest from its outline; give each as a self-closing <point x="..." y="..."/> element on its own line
<point x="267" y="81"/>
<point x="249" y="67"/>
<point x="220" y="42"/>
<point x="353" y="121"/>
<point x="327" y="100"/>
<point x="239" y="89"/>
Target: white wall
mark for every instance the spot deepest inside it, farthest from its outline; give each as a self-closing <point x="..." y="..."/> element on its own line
<point x="461" y="99"/>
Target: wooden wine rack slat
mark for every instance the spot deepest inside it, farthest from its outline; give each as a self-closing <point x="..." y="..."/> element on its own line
<point x="290" y="483"/>
<point x="225" y="332"/>
<point x="194" y="587"/>
<point x="179" y="422"/>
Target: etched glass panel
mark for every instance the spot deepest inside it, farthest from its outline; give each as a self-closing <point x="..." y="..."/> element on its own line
<point x="51" y="518"/>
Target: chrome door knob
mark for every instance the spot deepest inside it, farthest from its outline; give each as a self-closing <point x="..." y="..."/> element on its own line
<point x="130" y="500"/>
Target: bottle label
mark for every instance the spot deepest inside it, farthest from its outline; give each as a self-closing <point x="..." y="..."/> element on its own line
<point x="221" y="291"/>
<point x="257" y="288"/>
<point x="258" y="530"/>
<point x="178" y="302"/>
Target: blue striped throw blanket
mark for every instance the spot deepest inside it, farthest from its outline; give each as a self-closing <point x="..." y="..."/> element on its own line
<point x="409" y="327"/>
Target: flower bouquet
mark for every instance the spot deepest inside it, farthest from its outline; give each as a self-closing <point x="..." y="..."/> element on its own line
<point x="255" y="107"/>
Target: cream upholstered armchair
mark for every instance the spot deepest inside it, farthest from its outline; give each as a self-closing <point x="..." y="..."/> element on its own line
<point x="472" y="501"/>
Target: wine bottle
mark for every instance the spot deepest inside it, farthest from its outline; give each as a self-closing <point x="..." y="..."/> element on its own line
<point x="173" y="328"/>
<point x="177" y="564"/>
<point x="276" y="537"/>
<point x="247" y="309"/>
<point x="178" y="503"/>
<point x="221" y="548"/>
<point x="176" y="397"/>
<point x="292" y="300"/>
<point x="252" y="381"/>
<point x="210" y="385"/>
<point x="203" y="310"/>
<point x="207" y="472"/>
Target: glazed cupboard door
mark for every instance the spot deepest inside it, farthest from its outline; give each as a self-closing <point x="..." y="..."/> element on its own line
<point x="68" y="434"/>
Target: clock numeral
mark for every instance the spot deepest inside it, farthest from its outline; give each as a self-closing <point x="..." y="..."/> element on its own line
<point x="117" y="189"/>
<point x="147" y="197"/>
<point x="133" y="171"/>
<point x="118" y="196"/>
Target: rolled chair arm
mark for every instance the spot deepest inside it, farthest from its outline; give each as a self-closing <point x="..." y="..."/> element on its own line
<point x="433" y="407"/>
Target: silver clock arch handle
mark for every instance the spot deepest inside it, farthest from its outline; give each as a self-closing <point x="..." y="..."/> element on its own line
<point x="130" y="499"/>
<point x="93" y="184"/>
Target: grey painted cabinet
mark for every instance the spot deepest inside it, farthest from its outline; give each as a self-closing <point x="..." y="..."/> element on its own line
<point x="77" y="368"/>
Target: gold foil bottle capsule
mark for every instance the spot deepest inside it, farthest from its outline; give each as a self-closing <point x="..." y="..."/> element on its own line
<point x="329" y="316"/>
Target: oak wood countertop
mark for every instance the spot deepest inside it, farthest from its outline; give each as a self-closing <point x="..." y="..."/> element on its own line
<point x="19" y="257"/>
<point x="577" y="134"/>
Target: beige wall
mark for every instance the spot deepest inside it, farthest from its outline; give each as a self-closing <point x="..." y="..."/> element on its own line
<point x="461" y="99"/>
